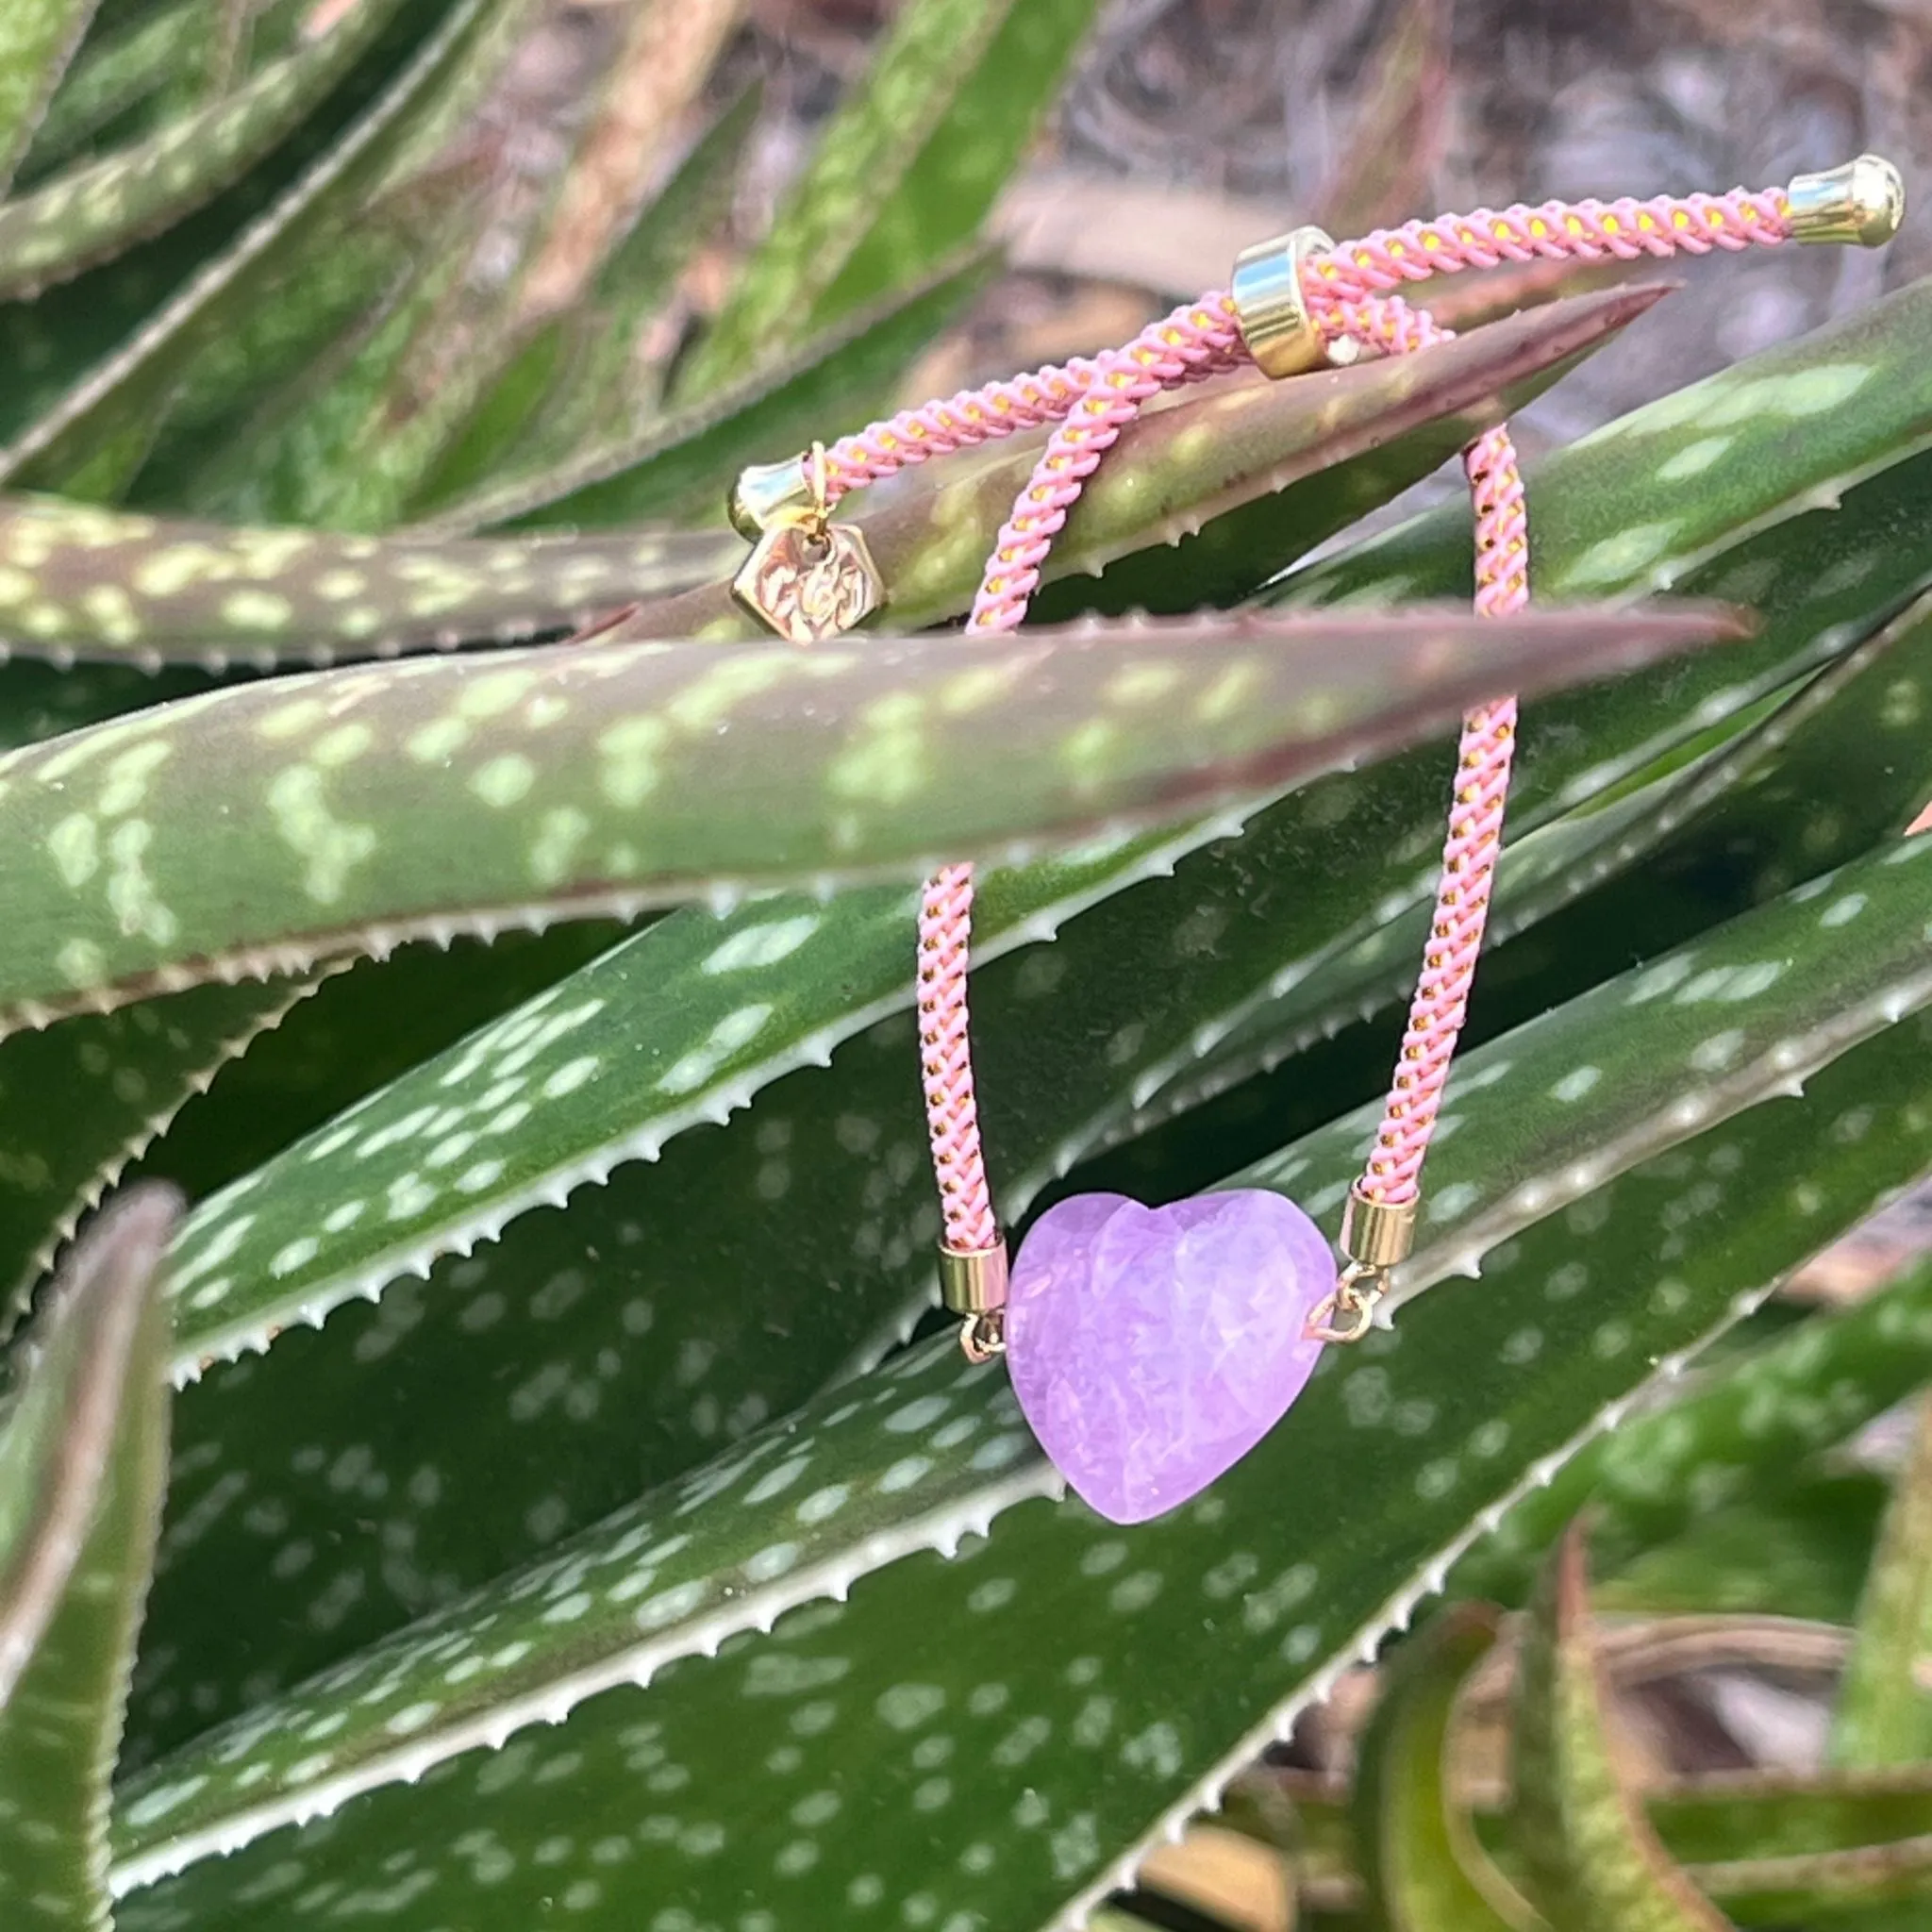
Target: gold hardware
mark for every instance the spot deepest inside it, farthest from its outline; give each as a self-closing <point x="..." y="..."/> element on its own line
<point x="1376" y="1234"/>
<point x="1347" y="1313"/>
<point x="1271" y="307"/>
<point x="770" y="494"/>
<point x="973" y="1282"/>
<point x="807" y="578"/>
<point x="1864" y="202"/>
<point x="809" y="586"/>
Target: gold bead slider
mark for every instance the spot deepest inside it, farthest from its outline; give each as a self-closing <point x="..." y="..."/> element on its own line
<point x="1375" y="1235"/>
<point x="973" y="1281"/>
<point x="1271" y="307"/>
<point x="770" y="495"/>
<point x="1864" y="202"/>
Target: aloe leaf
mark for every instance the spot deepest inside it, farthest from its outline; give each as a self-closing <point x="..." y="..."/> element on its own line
<point x="917" y="1459"/>
<point x="83" y="1460"/>
<point x="361" y="1030"/>
<point x="1803" y="1544"/>
<point x="79" y="582"/>
<point x="353" y="436"/>
<point x="937" y="205"/>
<point x="1819" y="583"/>
<point x="1681" y="477"/>
<point x="83" y="216"/>
<point x="564" y="1097"/>
<point x="1759" y="1417"/>
<point x="856" y="752"/>
<point x="124" y="393"/>
<point x="37" y="40"/>
<point x="1423" y="1860"/>
<point x="686" y="459"/>
<point x="355" y="449"/>
<point x="122" y="1077"/>
<point x="1594" y="1861"/>
<point x="657" y="69"/>
<point x="112" y="74"/>
<point x="557" y="400"/>
<point x="718" y="1364"/>
<point x="1023" y="1695"/>
<point x="1882" y="1717"/>
<point x="923" y="62"/>
<point x="236" y="381"/>
<point x="1202" y="456"/>
<point x="51" y="344"/>
<point x="1754" y="798"/>
<point x="1800" y="1849"/>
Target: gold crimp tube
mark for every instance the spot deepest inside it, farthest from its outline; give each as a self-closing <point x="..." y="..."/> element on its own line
<point x="1376" y="1234"/>
<point x="1270" y="305"/>
<point x="768" y="493"/>
<point x="973" y="1282"/>
<point x="1864" y="202"/>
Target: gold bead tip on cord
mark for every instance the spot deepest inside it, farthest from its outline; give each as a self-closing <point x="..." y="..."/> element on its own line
<point x="1863" y="202"/>
<point x="1375" y="1235"/>
<point x="767" y="495"/>
<point x="972" y="1281"/>
<point x="1270" y="307"/>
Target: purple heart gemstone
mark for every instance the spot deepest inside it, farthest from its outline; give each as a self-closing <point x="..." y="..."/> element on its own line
<point x="1151" y="1348"/>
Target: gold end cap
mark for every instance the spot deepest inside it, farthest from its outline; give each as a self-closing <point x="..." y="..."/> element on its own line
<point x="1271" y="307"/>
<point x="769" y="493"/>
<point x="973" y="1281"/>
<point x="1863" y="202"/>
<point x="1376" y="1235"/>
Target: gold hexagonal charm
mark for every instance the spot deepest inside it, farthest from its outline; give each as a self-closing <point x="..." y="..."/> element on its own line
<point x="807" y="586"/>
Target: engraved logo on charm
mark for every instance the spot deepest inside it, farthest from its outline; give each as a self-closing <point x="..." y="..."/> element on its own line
<point x="809" y="587"/>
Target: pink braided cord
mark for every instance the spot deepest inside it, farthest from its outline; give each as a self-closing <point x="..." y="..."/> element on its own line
<point x="1092" y="402"/>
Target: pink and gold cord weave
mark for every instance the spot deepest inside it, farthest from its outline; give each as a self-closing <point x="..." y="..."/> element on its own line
<point x="1348" y="296"/>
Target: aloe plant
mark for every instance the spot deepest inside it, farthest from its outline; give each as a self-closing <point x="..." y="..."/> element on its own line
<point x="567" y="1511"/>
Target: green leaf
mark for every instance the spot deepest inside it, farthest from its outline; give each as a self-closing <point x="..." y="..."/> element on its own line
<point x="83" y="1462"/>
<point x="361" y="1030"/>
<point x="81" y="582"/>
<point x="724" y="1208"/>
<point x="937" y="205"/>
<point x="1203" y="455"/>
<point x="1058" y="1691"/>
<point x="120" y="1077"/>
<point x="124" y="393"/>
<point x="111" y="74"/>
<point x="1754" y="798"/>
<point x="589" y="361"/>
<point x="37" y="40"/>
<point x="1762" y="442"/>
<point x="352" y="435"/>
<point x="373" y="776"/>
<point x="1883" y="1716"/>
<point x="1594" y="1861"/>
<point x="1424" y="1869"/>
<point x="1761" y="1416"/>
<point x="1802" y="1547"/>
<point x="50" y="344"/>
<point x="1803" y="1850"/>
<point x="924" y="59"/>
<point x="686" y="461"/>
<point x="88" y="213"/>
<point x="794" y="1516"/>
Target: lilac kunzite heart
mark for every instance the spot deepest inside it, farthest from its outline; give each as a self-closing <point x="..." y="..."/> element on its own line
<point x="1151" y="1348"/>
